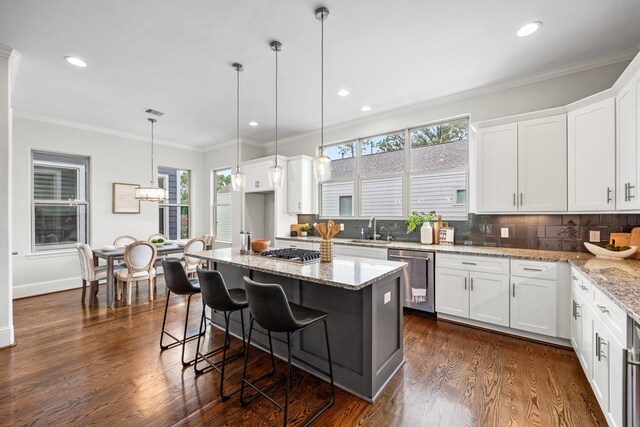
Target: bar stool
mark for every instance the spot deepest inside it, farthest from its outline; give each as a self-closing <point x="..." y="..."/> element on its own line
<point x="217" y="296"/>
<point x="177" y="282"/>
<point x="270" y="309"/>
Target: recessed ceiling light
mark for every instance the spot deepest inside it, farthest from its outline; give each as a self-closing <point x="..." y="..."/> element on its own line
<point x="253" y="123"/>
<point x="75" y="61"/>
<point x="528" y="29"/>
<point x="343" y="92"/>
<point x="365" y="108"/>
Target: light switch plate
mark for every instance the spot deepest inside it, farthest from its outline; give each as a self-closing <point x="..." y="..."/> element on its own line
<point x="341" y="227"/>
<point x="594" y="236"/>
<point x="387" y="297"/>
<point x="504" y="232"/>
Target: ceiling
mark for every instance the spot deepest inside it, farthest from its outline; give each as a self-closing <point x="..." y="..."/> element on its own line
<point x="176" y="56"/>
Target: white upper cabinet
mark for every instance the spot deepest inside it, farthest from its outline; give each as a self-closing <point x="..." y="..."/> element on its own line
<point x="257" y="175"/>
<point x="627" y="143"/>
<point x="301" y="186"/>
<point x="497" y="168"/>
<point x="542" y="164"/>
<point x="592" y="157"/>
<point x="522" y="167"/>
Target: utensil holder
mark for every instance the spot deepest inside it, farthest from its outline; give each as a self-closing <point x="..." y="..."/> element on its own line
<point x="326" y="250"/>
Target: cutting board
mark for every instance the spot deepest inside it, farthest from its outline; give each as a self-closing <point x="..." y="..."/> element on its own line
<point x="635" y="240"/>
<point x="622" y="239"/>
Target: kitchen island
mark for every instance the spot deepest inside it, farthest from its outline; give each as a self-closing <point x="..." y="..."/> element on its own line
<point x="363" y="299"/>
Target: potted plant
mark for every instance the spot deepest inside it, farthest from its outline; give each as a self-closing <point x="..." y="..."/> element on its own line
<point x="421" y="220"/>
<point x="304" y="230"/>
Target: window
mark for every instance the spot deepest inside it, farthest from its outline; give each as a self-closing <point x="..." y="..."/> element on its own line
<point x="221" y="213"/>
<point x="174" y="213"/>
<point x="60" y="201"/>
<point x="388" y="177"/>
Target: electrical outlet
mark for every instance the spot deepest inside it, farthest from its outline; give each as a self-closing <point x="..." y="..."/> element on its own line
<point x="594" y="236"/>
<point x="341" y="227"/>
<point x="504" y="232"/>
<point x="387" y="297"/>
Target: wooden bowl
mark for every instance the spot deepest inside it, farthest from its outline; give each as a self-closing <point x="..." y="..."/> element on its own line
<point x="260" y="245"/>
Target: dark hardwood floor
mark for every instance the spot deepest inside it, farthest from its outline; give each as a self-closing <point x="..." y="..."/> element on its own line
<point x="75" y="365"/>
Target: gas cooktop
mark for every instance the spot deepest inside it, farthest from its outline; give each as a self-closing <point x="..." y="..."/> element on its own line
<point x="302" y="256"/>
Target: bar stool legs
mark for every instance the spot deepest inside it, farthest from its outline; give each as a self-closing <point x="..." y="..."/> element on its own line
<point x="177" y="341"/>
<point x="290" y="356"/>
<point x="220" y="365"/>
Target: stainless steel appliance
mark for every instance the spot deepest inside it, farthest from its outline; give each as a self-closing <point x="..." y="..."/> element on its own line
<point x="633" y="378"/>
<point x="302" y="256"/>
<point x="419" y="279"/>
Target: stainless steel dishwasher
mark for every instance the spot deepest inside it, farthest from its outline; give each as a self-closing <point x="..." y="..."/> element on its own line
<point x="419" y="278"/>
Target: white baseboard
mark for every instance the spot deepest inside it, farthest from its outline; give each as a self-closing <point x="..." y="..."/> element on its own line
<point x="6" y="336"/>
<point x="39" y="288"/>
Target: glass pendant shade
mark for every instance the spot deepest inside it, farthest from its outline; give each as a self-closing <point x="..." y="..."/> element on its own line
<point x="322" y="167"/>
<point x="276" y="176"/>
<point x="151" y="194"/>
<point x="238" y="181"/>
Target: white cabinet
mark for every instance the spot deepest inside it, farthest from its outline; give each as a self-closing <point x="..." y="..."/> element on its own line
<point x="301" y="186"/>
<point x="608" y="373"/>
<point x="523" y="166"/>
<point x="257" y="175"/>
<point x="497" y="163"/>
<point x="468" y="292"/>
<point x="542" y="164"/>
<point x="296" y="244"/>
<point x="627" y="124"/>
<point x="533" y="305"/>
<point x="360" y="251"/>
<point x="592" y="157"/>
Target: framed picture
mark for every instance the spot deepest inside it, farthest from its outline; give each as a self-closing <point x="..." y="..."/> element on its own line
<point x="124" y="198"/>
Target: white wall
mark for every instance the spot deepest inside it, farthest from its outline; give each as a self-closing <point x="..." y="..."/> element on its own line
<point x="113" y="159"/>
<point x="478" y="105"/>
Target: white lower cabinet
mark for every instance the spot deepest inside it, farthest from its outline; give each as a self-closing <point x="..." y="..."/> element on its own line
<point x="598" y="340"/>
<point x="489" y="298"/>
<point x="533" y="305"/>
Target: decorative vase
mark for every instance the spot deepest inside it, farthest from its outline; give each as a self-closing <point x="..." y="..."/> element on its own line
<point x="326" y="250"/>
<point x="303" y="233"/>
<point x="426" y="233"/>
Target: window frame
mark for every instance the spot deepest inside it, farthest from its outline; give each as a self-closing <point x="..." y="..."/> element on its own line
<point x="406" y="174"/>
<point x="86" y="202"/>
<point x="213" y="226"/>
<point x="176" y="205"/>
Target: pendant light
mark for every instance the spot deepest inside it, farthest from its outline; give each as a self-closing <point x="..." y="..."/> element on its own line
<point x="322" y="163"/>
<point x="238" y="179"/>
<point x="276" y="173"/>
<point x="151" y="193"/>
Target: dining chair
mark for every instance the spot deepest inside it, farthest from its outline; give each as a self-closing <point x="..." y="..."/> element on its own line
<point x="139" y="258"/>
<point x="190" y="264"/>
<point x="90" y="273"/>
<point x="209" y="241"/>
<point x="123" y="241"/>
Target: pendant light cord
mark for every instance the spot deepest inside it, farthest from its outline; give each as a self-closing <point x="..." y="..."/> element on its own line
<point x="152" y="122"/>
<point x="277" y="105"/>
<point x="237" y="119"/>
<point x="322" y="86"/>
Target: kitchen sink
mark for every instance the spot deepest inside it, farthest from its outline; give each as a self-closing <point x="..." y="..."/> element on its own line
<point x="375" y="242"/>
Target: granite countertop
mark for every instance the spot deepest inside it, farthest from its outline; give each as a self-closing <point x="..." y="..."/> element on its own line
<point x="532" y="254"/>
<point x="618" y="279"/>
<point x="353" y="273"/>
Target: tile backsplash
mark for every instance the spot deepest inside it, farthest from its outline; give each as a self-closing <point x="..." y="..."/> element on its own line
<point x="549" y="232"/>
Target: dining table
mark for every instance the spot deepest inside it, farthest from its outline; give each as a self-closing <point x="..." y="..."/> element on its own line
<point x="110" y="256"/>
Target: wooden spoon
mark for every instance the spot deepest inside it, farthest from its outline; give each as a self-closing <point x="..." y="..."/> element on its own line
<point x="318" y="228"/>
<point x="330" y="225"/>
<point x="336" y="229"/>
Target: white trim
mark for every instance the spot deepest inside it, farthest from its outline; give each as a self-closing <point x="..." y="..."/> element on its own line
<point x="47" y="287"/>
<point x="7" y="337"/>
<point x="233" y="142"/>
<point x="6" y="52"/>
<point x="81" y="126"/>
<point x="52" y="254"/>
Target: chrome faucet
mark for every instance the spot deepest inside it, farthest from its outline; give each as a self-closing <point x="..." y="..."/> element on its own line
<point x="376" y="236"/>
<point x="388" y="232"/>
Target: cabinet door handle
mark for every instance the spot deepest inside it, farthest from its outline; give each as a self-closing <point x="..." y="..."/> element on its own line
<point x="299" y="205"/>
<point x="574" y="311"/>
<point x="532" y="269"/>
<point x="626" y="191"/>
<point x="514" y="199"/>
<point x="472" y="283"/>
<point x="574" y="278"/>
<point x="602" y="308"/>
<point x="514" y="290"/>
<point x="521" y="197"/>
<point x="609" y="195"/>
<point x="468" y="263"/>
<point x="598" y="346"/>
<point x="465" y="283"/>
<point x="583" y="287"/>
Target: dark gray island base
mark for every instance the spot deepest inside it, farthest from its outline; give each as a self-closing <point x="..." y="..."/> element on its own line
<point x="364" y="302"/>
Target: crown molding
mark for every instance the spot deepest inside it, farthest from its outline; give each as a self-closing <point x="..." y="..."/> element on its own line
<point x="6" y="52"/>
<point x="82" y="126"/>
<point x="577" y="67"/>
<point x="229" y="142"/>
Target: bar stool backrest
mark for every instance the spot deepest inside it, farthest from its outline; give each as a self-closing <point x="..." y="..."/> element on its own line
<point x="175" y="277"/>
<point x="214" y="290"/>
<point x="269" y="306"/>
